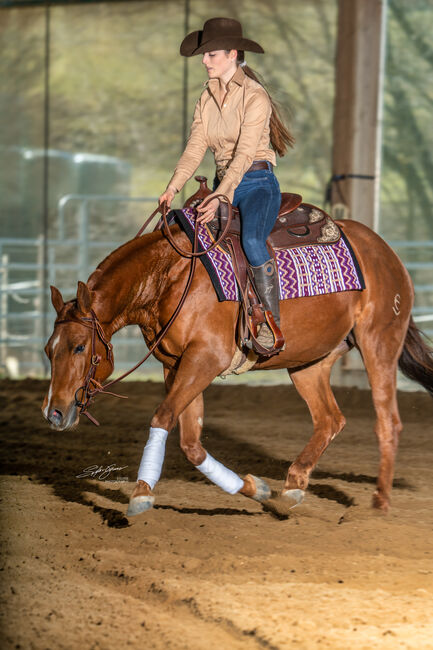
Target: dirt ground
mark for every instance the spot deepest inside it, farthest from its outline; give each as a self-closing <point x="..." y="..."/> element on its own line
<point x="204" y="569"/>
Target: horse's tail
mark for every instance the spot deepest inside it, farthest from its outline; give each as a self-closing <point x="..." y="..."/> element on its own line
<point x="416" y="359"/>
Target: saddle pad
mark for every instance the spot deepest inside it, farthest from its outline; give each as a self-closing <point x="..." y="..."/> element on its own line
<point x="303" y="272"/>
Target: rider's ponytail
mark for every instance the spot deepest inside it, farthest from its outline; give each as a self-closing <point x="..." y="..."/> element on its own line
<point x="280" y="135"/>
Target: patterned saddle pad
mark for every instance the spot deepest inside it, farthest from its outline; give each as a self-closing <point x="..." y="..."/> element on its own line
<point x="304" y="271"/>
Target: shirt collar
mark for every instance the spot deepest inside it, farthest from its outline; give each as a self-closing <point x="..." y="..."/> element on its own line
<point x="238" y="78"/>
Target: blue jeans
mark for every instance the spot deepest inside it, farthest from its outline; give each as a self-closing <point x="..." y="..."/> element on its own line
<point x="258" y="199"/>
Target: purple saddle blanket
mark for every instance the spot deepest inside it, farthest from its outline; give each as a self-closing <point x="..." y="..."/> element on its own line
<point x="303" y="271"/>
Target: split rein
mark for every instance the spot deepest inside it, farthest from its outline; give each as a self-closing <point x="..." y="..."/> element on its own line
<point x="85" y="394"/>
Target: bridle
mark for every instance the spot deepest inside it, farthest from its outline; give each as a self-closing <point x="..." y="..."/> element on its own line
<point x="85" y="394"/>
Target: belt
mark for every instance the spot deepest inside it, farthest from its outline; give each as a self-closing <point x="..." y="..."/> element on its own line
<point x="259" y="164"/>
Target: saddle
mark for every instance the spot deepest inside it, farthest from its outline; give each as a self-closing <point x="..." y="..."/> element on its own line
<point x="297" y="224"/>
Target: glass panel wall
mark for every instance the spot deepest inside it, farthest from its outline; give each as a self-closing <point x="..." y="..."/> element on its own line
<point x="82" y="165"/>
<point x="22" y="74"/>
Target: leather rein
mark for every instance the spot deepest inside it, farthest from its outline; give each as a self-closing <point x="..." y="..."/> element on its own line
<point x="85" y="394"/>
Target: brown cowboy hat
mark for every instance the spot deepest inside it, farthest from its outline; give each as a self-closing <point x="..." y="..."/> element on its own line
<point x="218" y="34"/>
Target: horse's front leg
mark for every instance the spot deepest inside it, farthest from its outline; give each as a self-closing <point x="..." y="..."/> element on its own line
<point x="184" y="401"/>
<point x="190" y="426"/>
<point x="142" y="498"/>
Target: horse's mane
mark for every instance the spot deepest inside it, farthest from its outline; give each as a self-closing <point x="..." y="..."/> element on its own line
<point x="119" y="254"/>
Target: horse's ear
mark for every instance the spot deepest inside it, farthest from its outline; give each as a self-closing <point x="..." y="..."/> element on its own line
<point x="56" y="299"/>
<point x="84" y="298"/>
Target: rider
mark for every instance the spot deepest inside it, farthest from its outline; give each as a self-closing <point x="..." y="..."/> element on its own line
<point x="237" y="119"/>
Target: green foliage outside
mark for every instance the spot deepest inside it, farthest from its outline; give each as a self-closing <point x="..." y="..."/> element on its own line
<point x="407" y="191"/>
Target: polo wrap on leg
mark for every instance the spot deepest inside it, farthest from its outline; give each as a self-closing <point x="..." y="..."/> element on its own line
<point x="220" y="475"/>
<point x="153" y="457"/>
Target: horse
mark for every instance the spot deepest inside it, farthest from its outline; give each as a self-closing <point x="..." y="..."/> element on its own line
<point x="141" y="283"/>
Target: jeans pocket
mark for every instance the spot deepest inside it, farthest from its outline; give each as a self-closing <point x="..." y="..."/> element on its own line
<point x="253" y="181"/>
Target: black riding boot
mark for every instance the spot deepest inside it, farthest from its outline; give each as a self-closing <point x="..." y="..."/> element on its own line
<point x="266" y="282"/>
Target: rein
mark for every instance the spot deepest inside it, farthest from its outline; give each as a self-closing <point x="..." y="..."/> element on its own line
<point x="85" y="394"/>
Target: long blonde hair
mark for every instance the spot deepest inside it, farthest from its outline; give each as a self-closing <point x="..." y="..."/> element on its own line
<point x="280" y="136"/>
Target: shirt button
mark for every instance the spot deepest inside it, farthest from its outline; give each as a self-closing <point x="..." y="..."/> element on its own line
<point x="224" y="105"/>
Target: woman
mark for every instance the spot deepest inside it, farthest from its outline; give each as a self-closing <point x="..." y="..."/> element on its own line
<point x="236" y="118"/>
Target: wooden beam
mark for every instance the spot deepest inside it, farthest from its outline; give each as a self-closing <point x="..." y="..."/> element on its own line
<point x="358" y="108"/>
<point x="357" y="130"/>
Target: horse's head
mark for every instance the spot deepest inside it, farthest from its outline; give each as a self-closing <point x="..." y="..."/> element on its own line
<point x="75" y="344"/>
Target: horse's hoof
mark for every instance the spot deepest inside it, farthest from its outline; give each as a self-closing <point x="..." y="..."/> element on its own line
<point x="140" y="504"/>
<point x="263" y="491"/>
<point x="380" y="502"/>
<point x="297" y="496"/>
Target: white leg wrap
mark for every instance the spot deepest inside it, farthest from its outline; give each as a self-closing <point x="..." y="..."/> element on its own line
<point x="220" y="475"/>
<point x="153" y="457"/>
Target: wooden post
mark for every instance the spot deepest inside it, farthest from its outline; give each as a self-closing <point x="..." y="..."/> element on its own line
<point x="357" y="130"/>
<point x="358" y="109"/>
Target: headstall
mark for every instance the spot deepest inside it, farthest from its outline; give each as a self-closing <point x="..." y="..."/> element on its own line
<point x="84" y="394"/>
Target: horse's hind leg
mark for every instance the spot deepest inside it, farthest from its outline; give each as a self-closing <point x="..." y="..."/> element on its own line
<point x="380" y="356"/>
<point x="313" y="385"/>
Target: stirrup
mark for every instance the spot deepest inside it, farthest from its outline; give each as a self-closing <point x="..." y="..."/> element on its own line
<point x="269" y="339"/>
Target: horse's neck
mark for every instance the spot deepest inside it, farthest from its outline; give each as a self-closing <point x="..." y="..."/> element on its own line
<point x="128" y="284"/>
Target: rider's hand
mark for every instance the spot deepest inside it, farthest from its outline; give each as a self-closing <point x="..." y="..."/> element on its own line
<point x="207" y="213"/>
<point x="167" y="196"/>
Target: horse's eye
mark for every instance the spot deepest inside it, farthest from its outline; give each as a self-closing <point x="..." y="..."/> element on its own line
<point x="79" y="348"/>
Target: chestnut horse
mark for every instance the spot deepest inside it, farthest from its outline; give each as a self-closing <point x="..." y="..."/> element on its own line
<point x="141" y="283"/>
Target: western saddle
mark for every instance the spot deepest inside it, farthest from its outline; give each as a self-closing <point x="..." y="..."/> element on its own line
<point x="297" y="224"/>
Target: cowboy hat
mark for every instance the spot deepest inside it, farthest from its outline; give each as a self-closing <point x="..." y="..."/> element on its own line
<point x="218" y="34"/>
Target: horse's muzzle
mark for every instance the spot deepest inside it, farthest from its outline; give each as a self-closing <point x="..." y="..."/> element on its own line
<point x="62" y="422"/>
<point x="55" y="417"/>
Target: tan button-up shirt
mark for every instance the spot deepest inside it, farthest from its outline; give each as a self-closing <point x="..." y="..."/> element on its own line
<point x="235" y="128"/>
